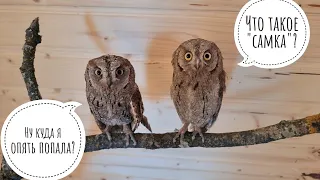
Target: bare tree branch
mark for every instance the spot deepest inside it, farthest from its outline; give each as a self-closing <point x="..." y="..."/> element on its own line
<point x="284" y="129"/>
<point x="27" y="70"/>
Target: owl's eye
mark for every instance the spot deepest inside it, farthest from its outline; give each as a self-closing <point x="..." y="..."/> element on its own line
<point x="119" y="71"/>
<point x="188" y="56"/>
<point x="207" y="56"/>
<point x="98" y="72"/>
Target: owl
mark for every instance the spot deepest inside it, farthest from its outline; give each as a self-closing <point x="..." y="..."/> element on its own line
<point x="113" y="96"/>
<point x="198" y="85"/>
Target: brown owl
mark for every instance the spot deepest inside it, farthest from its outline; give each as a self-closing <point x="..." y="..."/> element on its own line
<point x="113" y="96"/>
<point x="198" y="85"/>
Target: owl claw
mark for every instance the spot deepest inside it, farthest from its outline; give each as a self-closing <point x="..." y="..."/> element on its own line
<point x="109" y="136"/>
<point x="106" y="131"/>
<point x="133" y="139"/>
<point x="180" y="133"/>
<point x="175" y="137"/>
<point x="127" y="140"/>
<point x="197" y="131"/>
<point x="193" y="135"/>
<point x="129" y="134"/>
<point x="202" y="138"/>
<point x="183" y="143"/>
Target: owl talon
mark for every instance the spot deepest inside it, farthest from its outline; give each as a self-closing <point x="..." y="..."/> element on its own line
<point x="180" y="133"/>
<point x="175" y="137"/>
<point x="194" y="135"/>
<point x="107" y="132"/>
<point x="202" y="138"/>
<point x="197" y="131"/>
<point x="128" y="137"/>
<point x="129" y="134"/>
<point x="127" y="140"/>
<point x="182" y="139"/>
<point x="133" y="139"/>
<point x="109" y="136"/>
<point x="182" y="142"/>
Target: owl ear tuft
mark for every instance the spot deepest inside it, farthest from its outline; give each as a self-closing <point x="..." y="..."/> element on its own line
<point x="175" y="54"/>
<point x="92" y="62"/>
<point x="86" y="73"/>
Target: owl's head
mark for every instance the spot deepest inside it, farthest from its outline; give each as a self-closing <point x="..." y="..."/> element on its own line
<point x="110" y="73"/>
<point x="197" y="55"/>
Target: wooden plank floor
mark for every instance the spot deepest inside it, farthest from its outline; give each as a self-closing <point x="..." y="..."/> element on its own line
<point x="147" y="32"/>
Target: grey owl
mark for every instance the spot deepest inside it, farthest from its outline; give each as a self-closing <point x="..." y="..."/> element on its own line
<point x="113" y="96"/>
<point x="198" y="85"/>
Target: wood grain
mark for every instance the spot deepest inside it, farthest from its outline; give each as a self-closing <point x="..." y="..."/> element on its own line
<point x="309" y="6"/>
<point x="147" y="32"/>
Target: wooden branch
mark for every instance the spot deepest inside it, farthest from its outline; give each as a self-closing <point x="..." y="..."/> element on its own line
<point x="282" y="130"/>
<point x="27" y="68"/>
<point x="32" y="39"/>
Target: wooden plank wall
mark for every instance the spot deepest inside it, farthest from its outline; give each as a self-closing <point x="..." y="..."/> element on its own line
<point x="147" y="32"/>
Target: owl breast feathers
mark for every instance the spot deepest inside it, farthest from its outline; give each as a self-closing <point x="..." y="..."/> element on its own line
<point x="113" y="96"/>
<point x="198" y="84"/>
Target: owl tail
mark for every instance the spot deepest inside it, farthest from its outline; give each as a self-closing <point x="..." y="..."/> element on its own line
<point x="145" y="122"/>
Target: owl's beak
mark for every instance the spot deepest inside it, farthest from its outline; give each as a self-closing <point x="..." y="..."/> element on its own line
<point x="108" y="82"/>
<point x="197" y="65"/>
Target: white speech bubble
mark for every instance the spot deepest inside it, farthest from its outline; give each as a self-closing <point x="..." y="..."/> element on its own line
<point x="271" y="33"/>
<point x="43" y="139"/>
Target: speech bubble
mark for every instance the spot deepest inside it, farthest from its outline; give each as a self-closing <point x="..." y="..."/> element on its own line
<point x="43" y="139"/>
<point x="271" y="34"/>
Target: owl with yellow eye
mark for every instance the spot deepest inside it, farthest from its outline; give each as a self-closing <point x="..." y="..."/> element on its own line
<point x="198" y="85"/>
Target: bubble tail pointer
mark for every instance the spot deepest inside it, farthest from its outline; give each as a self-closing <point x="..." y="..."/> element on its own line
<point x="71" y="105"/>
<point x="246" y="62"/>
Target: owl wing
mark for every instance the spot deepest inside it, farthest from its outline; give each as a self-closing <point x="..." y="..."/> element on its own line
<point x="222" y="89"/>
<point x="177" y="93"/>
<point x="175" y="96"/>
<point x="137" y="110"/>
<point x="100" y="125"/>
<point x="215" y="115"/>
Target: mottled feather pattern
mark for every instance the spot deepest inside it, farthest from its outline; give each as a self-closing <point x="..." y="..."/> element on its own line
<point x="198" y="84"/>
<point x="138" y="110"/>
<point x="113" y="96"/>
